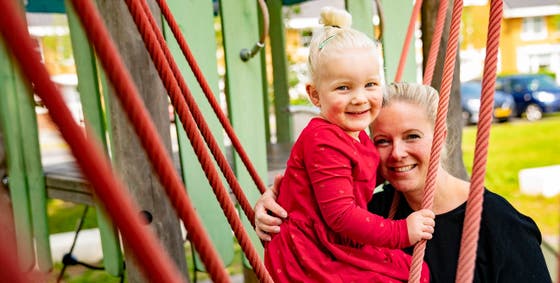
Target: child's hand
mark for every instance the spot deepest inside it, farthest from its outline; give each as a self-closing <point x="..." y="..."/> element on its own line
<point x="420" y="225"/>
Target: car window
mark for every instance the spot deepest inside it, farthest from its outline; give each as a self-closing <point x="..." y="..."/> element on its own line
<point x="543" y="82"/>
<point x="499" y="85"/>
<point x="529" y="83"/>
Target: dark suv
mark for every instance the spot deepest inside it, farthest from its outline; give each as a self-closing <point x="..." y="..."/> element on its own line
<point x="534" y="94"/>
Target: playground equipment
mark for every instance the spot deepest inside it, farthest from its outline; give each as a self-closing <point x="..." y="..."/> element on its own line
<point x="245" y="80"/>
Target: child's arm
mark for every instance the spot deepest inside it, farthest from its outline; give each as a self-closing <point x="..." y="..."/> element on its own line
<point x="328" y="159"/>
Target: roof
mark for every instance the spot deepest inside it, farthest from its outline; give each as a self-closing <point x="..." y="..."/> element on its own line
<point x="309" y="12"/>
<point x="533" y="8"/>
<point x="512" y="4"/>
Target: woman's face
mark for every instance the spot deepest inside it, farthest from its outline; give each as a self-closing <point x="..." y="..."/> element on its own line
<point x="403" y="136"/>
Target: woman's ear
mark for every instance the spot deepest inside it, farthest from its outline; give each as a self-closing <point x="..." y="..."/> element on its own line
<point x="313" y="95"/>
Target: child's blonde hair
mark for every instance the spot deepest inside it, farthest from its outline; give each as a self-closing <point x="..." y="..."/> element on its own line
<point x="336" y="34"/>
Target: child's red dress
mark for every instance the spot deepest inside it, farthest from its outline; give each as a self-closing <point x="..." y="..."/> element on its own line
<point x="329" y="236"/>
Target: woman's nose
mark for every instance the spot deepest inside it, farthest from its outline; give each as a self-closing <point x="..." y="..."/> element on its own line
<point x="399" y="150"/>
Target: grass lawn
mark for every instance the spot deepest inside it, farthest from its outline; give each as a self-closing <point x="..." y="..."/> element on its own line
<point x="515" y="146"/>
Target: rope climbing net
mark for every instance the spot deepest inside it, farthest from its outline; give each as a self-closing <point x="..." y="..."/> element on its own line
<point x="112" y="193"/>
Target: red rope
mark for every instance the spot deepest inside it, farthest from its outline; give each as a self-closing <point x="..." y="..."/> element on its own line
<point x="408" y="39"/>
<point x="436" y="40"/>
<point x="210" y="96"/>
<point x="439" y="131"/>
<point x="157" y="266"/>
<point x="170" y="74"/>
<point x="145" y="129"/>
<point x="471" y="228"/>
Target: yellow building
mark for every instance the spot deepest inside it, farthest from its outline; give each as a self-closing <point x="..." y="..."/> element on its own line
<point x="530" y="39"/>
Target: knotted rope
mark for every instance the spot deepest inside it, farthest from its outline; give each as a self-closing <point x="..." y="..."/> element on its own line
<point x="138" y="115"/>
<point x="471" y="226"/>
<point x="439" y="132"/>
<point x="89" y="155"/>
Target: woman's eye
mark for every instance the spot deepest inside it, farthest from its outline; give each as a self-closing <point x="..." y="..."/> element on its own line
<point x="381" y="142"/>
<point x="413" y="137"/>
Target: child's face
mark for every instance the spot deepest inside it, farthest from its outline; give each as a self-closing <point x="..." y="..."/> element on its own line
<point x="348" y="88"/>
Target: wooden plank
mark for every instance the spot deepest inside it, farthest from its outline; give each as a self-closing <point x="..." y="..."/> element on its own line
<point x="196" y="20"/>
<point x="92" y="105"/>
<point x="129" y="157"/>
<point x="9" y="117"/>
<point x="362" y="15"/>
<point x="397" y="15"/>
<point x="35" y="181"/>
<point x="244" y="93"/>
<point x="280" y="73"/>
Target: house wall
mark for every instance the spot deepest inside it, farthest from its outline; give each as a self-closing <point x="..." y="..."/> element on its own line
<point x="517" y="54"/>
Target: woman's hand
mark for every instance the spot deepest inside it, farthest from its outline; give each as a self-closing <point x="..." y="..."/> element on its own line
<point x="265" y="222"/>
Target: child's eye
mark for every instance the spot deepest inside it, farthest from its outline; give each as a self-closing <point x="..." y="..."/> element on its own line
<point x="342" y="87"/>
<point x="371" y="84"/>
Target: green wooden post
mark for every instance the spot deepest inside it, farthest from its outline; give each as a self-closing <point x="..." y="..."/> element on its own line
<point x="9" y="116"/>
<point x="196" y="20"/>
<point x="35" y="178"/>
<point x="397" y="16"/>
<point x="264" y="85"/>
<point x="362" y="13"/>
<point x="88" y="87"/>
<point x="244" y="93"/>
<point x="280" y="72"/>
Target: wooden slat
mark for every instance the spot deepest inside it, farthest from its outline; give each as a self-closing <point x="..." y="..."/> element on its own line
<point x="129" y="158"/>
<point x="396" y="16"/>
<point x="284" y="125"/>
<point x="196" y="20"/>
<point x="9" y="117"/>
<point x="35" y="182"/>
<point x="90" y="96"/>
<point x="362" y="15"/>
<point x="240" y="29"/>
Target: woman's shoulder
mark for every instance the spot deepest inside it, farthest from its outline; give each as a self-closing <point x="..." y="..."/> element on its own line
<point x="498" y="212"/>
<point x="497" y="205"/>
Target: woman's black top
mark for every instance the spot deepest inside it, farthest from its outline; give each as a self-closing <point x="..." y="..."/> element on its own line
<point x="508" y="247"/>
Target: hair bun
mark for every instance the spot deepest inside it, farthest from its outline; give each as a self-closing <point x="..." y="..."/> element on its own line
<point x="331" y="16"/>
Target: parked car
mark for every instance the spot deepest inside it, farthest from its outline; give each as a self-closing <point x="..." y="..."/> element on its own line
<point x="534" y="94"/>
<point x="470" y="103"/>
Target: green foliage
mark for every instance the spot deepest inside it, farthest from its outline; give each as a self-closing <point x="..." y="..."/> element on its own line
<point x="515" y="146"/>
<point x="60" y="45"/>
<point x="64" y="216"/>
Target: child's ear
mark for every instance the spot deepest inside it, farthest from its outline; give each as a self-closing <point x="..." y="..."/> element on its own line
<point x="313" y="94"/>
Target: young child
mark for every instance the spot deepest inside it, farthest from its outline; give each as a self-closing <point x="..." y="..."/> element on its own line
<point x="329" y="236"/>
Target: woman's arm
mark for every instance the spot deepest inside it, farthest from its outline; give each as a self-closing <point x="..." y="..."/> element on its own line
<point x="517" y="241"/>
<point x="268" y="214"/>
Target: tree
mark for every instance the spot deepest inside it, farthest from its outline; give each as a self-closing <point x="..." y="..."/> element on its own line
<point x="453" y="157"/>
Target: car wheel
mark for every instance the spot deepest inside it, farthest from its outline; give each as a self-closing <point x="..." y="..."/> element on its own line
<point x="533" y="112"/>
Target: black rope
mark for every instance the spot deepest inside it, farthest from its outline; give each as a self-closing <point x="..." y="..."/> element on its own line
<point x="68" y="259"/>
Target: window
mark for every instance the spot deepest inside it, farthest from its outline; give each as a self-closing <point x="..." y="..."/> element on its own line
<point x="534" y="28"/>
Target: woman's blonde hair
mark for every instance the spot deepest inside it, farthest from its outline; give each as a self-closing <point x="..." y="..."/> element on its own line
<point x="336" y="34"/>
<point x="422" y="95"/>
